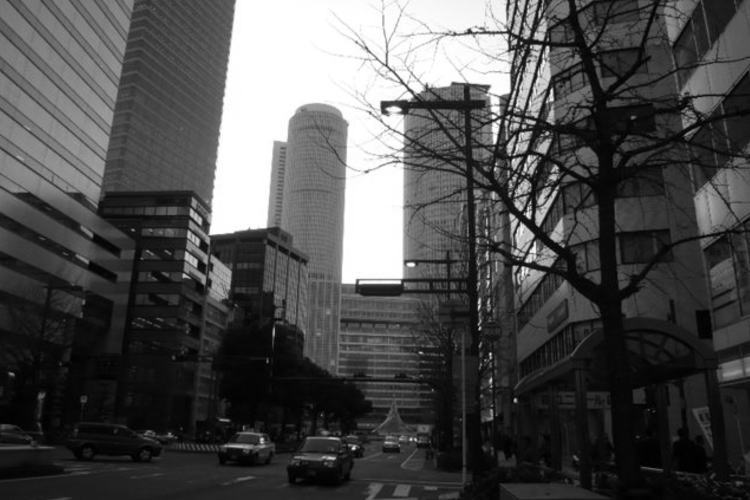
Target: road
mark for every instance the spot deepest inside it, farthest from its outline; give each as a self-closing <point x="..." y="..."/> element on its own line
<point x="186" y="476"/>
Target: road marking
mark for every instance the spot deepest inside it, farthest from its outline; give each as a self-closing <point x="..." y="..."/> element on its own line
<point x="401" y="490"/>
<point x="144" y="476"/>
<point x="373" y="489"/>
<point x="237" y="480"/>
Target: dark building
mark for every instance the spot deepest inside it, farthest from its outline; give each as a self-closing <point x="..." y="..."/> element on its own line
<point x="166" y="304"/>
<point x="269" y="279"/>
<point x="63" y="269"/>
<point x="165" y="131"/>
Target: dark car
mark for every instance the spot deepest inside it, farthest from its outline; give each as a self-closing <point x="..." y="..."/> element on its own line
<point x="12" y="434"/>
<point x="391" y="444"/>
<point x="324" y="458"/>
<point x="355" y="445"/>
<point x="94" y="438"/>
<point x="248" y="447"/>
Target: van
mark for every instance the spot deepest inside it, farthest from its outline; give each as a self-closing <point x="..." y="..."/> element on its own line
<point x="88" y="439"/>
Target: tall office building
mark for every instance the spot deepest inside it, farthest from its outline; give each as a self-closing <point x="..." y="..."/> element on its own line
<point x="61" y="63"/>
<point x="313" y="212"/>
<point x="276" y="191"/>
<point x="434" y="193"/>
<point x="165" y="131"/>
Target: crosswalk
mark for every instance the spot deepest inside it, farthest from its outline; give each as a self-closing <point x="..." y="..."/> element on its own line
<point x="385" y="491"/>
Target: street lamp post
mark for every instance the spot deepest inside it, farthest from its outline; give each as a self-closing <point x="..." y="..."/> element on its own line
<point x="467" y="105"/>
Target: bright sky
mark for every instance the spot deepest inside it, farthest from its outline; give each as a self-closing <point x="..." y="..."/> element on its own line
<point x="286" y="53"/>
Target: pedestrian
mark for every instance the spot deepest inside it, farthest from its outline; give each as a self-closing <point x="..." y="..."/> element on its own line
<point x="684" y="452"/>
<point x="601" y="450"/>
<point x="649" y="453"/>
<point x="701" y="458"/>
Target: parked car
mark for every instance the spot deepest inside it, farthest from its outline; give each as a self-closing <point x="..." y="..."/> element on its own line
<point x="12" y="434"/>
<point x="163" y="437"/>
<point x="355" y="445"/>
<point x="88" y="439"/>
<point x="325" y="458"/>
<point x="391" y="444"/>
<point x="247" y="447"/>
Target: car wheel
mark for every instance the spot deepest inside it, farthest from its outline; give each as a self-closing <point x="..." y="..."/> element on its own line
<point x="143" y="455"/>
<point x="87" y="452"/>
<point x="292" y="478"/>
<point x="270" y="457"/>
<point x="222" y="460"/>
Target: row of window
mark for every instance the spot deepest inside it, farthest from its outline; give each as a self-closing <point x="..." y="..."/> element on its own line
<point x="636" y="247"/>
<point x="704" y="27"/>
<point x="725" y="132"/>
<point x="613" y="63"/>
<point x="559" y="346"/>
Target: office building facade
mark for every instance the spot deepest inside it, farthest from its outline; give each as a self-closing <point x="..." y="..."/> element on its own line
<point x="711" y="40"/>
<point x="269" y="281"/>
<point x="434" y="188"/>
<point x="379" y="339"/>
<point x="165" y="131"/>
<point x="167" y="303"/>
<point x="652" y="209"/>
<point x="64" y="271"/>
<point x="313" y="213"/>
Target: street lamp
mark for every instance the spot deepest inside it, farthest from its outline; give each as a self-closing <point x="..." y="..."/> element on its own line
<point x="467" y="105"/>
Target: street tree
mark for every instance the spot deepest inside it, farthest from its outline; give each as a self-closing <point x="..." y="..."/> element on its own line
<point x="599" y="150"/>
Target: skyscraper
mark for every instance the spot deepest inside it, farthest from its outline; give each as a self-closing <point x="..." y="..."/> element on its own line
<point x="434" y="196"/>
<point x="313" y="213"/>
<point x="165" y="131"/>
<point x="276" y="192"/>
<point x="59" y="73"/>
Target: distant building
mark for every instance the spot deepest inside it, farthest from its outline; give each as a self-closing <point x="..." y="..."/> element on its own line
<point x="269" y="278"/>
<point x="313" y="213"/>
<point x="64" y="271"/>
<point x="434" y="192"/>
<point x="167" y="304"/>
<point x="165" y="132"/>
<point x="378" y="339"/>
<point x="276" y="191"/>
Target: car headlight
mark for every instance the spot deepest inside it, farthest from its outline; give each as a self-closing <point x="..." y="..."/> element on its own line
<point x="295" y="462"/>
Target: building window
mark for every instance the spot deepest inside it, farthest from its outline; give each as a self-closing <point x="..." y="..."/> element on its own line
<point x="637" y="119"/>
<point x="616" y="63"/>
<point x="568" y="80"/>
<point x="704" y="27"/>
<point x="612" y="11"/>
<point x="642" y="246"/>
<point x="646" y="181"/>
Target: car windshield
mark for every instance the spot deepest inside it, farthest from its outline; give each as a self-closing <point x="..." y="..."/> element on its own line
<point x="352" y="439"/>
<point x="320" y="445"/>
<point x="245" y="439"/>
<point x="391" y="439"/>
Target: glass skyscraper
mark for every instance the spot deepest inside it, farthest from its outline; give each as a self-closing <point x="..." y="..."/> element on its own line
<point x="165" y="132"/>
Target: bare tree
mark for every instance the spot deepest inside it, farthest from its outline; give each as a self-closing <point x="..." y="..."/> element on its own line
<point x="598" y="153"/>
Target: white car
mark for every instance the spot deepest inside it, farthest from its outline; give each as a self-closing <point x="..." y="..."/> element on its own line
<point x="248" y="447"/>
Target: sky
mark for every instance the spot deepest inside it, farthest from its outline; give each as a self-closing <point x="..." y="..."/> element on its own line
<point x="287" y="53"/>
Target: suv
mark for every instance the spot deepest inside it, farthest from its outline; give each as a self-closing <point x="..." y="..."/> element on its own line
<point x="93" y="438"/>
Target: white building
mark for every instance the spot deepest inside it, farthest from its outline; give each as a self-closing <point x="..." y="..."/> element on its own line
<point x="313" y="213"/>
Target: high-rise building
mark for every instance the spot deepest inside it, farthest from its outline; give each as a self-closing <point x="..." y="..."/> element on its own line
<point x="378" y="339"/>
<point x="435" y="195"/>
<point x="165" y="131"/>
<point x="313" y="213"/>
<point x="276" y="191"/>
<point x="64" y="271"/>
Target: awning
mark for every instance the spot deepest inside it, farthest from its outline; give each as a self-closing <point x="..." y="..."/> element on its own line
<point x="657" y="351"/>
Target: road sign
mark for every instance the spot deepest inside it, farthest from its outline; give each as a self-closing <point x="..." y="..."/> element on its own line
<point x="83" y="399"/>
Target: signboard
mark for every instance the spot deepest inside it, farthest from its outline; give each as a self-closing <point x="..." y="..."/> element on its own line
<point x="703" y="416"/>
<point x="566" y="400"/>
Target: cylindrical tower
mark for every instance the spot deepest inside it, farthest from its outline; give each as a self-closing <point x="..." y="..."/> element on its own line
<point x="314" y="184"/>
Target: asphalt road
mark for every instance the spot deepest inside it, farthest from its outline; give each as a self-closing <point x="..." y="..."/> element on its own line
<point x="180" y="475"/>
